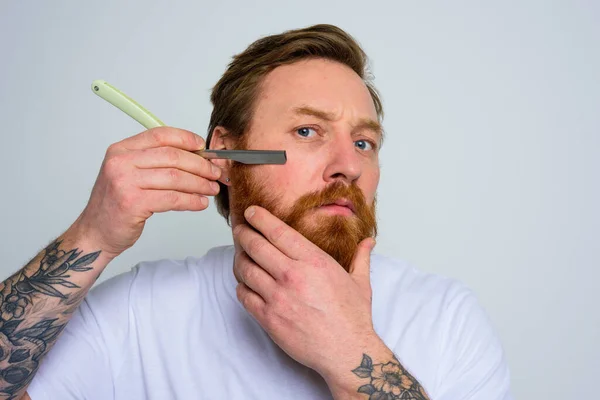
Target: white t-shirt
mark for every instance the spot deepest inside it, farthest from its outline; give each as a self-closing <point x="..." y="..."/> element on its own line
<point x="175" y="330"/>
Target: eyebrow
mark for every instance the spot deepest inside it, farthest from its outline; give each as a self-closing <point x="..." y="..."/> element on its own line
<point x="363" y="123"/>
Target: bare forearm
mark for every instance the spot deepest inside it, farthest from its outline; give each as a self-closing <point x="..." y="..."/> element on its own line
<point x="37" y="302"/>
<point x="376" y="374"/>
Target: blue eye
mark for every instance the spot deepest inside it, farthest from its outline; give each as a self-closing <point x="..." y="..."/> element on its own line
<point x="305" y="132"/>
<point x="363" y="145"/>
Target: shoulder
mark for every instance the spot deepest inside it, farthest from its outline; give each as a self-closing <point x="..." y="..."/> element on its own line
<point x="450" y="318"/>
<point x="394" y="278"/>
<point x="441" y="302"/>
<point x="151" y="289"/>
<point x="154" y="276"/>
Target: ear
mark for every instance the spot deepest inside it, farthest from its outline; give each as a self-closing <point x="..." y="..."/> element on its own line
<point x="221" y="140"/>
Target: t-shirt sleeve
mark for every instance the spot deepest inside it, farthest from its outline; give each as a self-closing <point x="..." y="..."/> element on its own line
<point x="477" y="369"/>
<point x="85" y="358"/>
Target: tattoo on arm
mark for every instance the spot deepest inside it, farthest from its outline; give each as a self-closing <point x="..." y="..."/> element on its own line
<point x="389" y="381"/>
<point x="34" y="309"/>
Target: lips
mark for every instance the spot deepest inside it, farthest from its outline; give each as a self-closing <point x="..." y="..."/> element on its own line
<point x="342" y="203"/>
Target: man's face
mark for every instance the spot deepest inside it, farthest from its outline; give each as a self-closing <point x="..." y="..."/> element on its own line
<point x="322" y="114"/>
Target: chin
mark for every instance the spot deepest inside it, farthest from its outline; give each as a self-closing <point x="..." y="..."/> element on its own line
<point x="319" y="221"/>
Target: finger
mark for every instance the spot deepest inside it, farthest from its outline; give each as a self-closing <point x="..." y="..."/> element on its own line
<point x="164" y="136"/>
<point x="175" y="179"/>
<point x="289" y="241"/>
<point x="256" y="278"/>
<point x="251" y="301"/>
<point x="360" y="268"/>
<point x="265" y="254"/>
<point x="158" y="201"/>
<point x="163" y="157"/>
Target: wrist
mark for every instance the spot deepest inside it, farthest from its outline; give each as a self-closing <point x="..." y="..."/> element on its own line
<point x="343" y="375"/>
<point x="378" y="374"/>
<point x="81" y="236"/>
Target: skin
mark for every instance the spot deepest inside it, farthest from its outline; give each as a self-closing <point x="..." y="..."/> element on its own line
<point x="312" y="308"/>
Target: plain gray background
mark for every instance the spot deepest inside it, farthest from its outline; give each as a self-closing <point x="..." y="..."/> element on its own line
<point x="489" y="171"/>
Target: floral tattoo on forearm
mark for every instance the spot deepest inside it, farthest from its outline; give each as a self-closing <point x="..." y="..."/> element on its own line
<point x="389" y="381"/>
<point x="34" y="310"/>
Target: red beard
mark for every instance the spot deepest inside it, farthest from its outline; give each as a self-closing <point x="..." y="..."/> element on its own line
<point x="337" y="235"/>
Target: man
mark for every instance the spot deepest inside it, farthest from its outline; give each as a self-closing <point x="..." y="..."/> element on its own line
<point x="296" y="308"/>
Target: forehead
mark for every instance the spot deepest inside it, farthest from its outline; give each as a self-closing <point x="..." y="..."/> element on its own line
<point x="320" y="84"/>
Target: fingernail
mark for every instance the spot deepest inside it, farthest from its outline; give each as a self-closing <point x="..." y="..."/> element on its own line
<point x="249" y="212"/>
<point x="203" y="200"/>
<point x="216" y="171"/>
<point x="214" y="186"/>
<point x="201" y="142"/>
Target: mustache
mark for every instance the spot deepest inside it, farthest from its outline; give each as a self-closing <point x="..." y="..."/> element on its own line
<point x="331" y="194"/>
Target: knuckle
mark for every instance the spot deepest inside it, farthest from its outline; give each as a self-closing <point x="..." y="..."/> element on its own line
<point x="206" y="167"/>
<point x="216" y="190"/>
<point x="171" y="155"/>
<point x="241" y="262"/>
<point x="289" y="277"/>
<point x="237" y="265"/>
<point x="249" y="274"/>
<point x="239" y="291"/>
<point x="243" y="297"/>
<point x="246" y="301"/>
<point x="201" y="185"/>
<point x="128" y="199"/>
<point x="279" y="300"/>
<point x="194" y="140"/>
<point x="117" y="178"/>
<point x="172" y="198"/>
<point x="255" y="245"/>
<point x="173" y="174"/>
<point x="196" y="203"/>
<point x="277" y="233"/>
<point x="156" y="134"/>
<point x="112" y="149"/>
<point x="178" y="202"/>
<point x="113" y="164"/>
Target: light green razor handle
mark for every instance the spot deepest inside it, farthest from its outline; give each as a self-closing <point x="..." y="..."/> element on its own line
<point x="126" y="104"/>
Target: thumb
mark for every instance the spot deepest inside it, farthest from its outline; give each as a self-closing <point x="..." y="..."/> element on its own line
<point x="360" y="268"/>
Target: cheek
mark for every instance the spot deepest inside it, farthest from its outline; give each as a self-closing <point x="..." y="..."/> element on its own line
<point x="291" y="180"/>
<point x="369" y="185"/>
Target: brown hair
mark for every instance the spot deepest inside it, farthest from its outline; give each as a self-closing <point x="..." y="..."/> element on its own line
<point x="234" y="95"/>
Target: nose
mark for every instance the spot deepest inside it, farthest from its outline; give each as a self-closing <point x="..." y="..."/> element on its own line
<point x="344" y="162"/>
